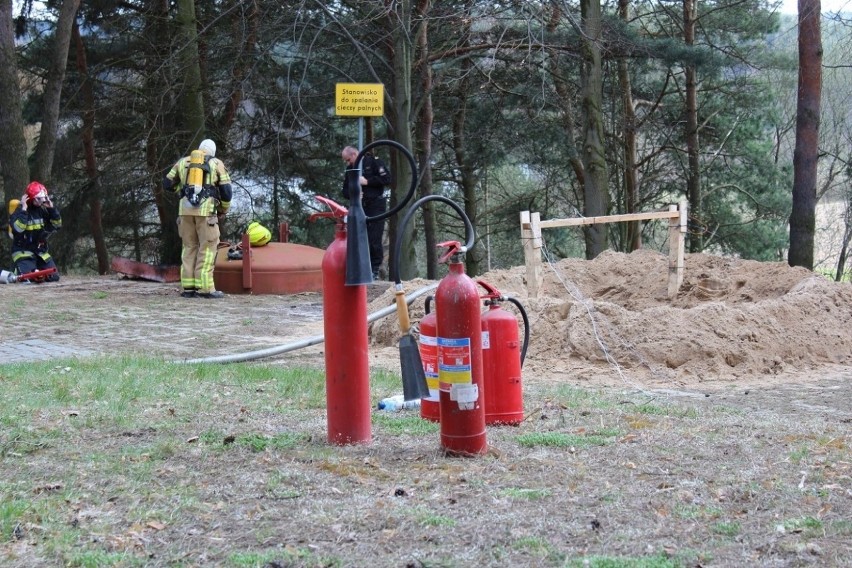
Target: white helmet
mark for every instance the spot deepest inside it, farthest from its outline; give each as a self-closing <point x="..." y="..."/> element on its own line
<point x="208" y="147"/>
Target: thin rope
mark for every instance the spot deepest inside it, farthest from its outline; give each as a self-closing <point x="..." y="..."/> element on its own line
<point x="588" y="305"/>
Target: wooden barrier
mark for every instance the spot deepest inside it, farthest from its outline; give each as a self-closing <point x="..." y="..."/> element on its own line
<point x="531" y="226"/>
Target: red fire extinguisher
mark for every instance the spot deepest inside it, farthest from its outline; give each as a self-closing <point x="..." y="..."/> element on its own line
<point x="501" y="362"/>
<point x="347" y="370"/>
<point x="460" y="384"/>
<point x="430" y="408"/>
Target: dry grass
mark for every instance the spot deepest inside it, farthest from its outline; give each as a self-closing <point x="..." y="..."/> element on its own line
<point x="122" y="462"/>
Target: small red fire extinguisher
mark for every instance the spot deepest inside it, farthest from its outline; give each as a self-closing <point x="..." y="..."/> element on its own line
<point x="430" y="408"/>
<point x="501" y="362"/>
<point x="347" y="368"/>
<point x="459" y="338"/>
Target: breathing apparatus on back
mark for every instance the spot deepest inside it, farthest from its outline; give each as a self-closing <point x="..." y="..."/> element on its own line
<point x="197" y="171"/>
<point x="13" y="204"/>
<point x="198" y="186"/>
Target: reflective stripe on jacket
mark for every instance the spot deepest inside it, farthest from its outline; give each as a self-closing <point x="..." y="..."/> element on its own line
<point x="217" y="179"/>
<point x="31" y="228"/>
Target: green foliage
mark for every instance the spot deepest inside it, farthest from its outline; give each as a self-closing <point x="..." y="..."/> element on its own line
<point x="433" y="520"/>
<point x="525" y="494"/>
<point x="730" y="529"/>
<point x="656" y="561"/>
<point x="291" y="556"/>
<point x="809" y="524"/>
<point x="574" y="397"/>
<point x="100" y="558"/>
<point x="538" y="546"/>
<point x="260" y="442"/>
<point x="562" y="440"/>
<point x="405" y="424"/>
<point x="658" y="410"/>
<point x="11" y="513"/>
<point x="506" y="119"/>
<point x="111" y="386"/>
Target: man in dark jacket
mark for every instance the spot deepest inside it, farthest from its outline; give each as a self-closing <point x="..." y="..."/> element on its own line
<point x="33" y="220"/>
<point x="374" y="177"/>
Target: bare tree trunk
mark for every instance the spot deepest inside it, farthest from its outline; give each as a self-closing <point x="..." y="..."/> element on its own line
<point x="245" y="61"/>
<point x="424" y="138"/>
<point x="566" y="109"/>
<point x="193" y="103"/>
<point x="13" y="150"/>
<point x="469" y="181"/>
<point x="88" y="95"/>
<point x="844" y="251"/>
<point x="154" y="86"/>
<point x="595" y="189"/>
<point x="633" y="238"/>
<point x="693" y="181"/>
<point x="803" y="215"/>
<point x="43" y="161"/>
<point x="401" y="57"/>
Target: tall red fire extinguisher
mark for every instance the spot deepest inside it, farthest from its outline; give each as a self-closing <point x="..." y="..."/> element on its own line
<point x="459" y="338"/>
<point x="347" y="369"/>
<point x="501" y="360"/>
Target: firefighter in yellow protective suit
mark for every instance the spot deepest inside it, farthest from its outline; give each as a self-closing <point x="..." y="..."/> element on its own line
<point x="205" y="189"/>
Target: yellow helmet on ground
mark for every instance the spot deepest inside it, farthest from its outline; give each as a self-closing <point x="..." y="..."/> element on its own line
<point x="258" y="234"/>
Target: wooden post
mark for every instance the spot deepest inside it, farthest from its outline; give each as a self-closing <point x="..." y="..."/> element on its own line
<point x="247" y="276"/>
<point x="677" y="234"/>
<point x="531" y="226"/>
<point x="531" y="237"/>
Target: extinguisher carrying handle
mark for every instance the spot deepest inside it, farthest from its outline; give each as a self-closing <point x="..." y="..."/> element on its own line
<point x="492" y="292"/>
<point x="453" y="248"/>
<point x="337" y="210"/>
<point x="323" y="215"/>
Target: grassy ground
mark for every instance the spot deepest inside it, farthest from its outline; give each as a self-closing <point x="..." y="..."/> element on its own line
<point x="139" y="462"/>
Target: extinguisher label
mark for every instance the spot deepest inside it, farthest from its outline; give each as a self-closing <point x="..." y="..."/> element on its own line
<point x="486" y="340"/>
<point x="465" y="395"/>
<point x="429" y="357"/>
<point x="454" y="360"/>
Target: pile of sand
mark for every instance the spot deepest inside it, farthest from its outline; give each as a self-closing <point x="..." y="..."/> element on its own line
<point x="731" y="320"/>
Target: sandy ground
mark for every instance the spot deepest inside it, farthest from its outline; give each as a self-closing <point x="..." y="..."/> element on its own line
<point x="607" y="321"/>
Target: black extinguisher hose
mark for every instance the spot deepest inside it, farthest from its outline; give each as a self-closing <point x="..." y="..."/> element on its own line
<point x="526" y="327"/>
<point x="411" y="164"/>
<point x="469" y="234"/>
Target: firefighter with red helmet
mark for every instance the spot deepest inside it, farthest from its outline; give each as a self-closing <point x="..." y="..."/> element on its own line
<point x="32" y="221"/>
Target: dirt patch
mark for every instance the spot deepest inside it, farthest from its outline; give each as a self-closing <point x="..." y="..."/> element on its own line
<point x="606" y="321"/>
<point x="712" y="430"/>
<point x="733" y="322"/>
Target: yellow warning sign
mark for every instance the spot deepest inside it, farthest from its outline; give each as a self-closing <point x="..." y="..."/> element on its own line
<point x="359" y="99"/>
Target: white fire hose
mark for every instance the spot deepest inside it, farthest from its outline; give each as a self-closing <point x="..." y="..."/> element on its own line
<point x="279" y="349"/>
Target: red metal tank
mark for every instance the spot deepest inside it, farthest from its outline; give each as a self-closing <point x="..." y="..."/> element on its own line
<point x="347" y="370"/>
<point x="430" y="408"/>
<point x="460" y="384"/>
<point x="275" y="268"/>
<point x="501" y="363"/>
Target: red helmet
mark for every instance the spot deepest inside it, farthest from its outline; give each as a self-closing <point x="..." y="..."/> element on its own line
<point x="35" y="189"/>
